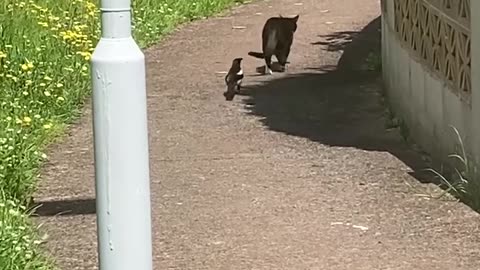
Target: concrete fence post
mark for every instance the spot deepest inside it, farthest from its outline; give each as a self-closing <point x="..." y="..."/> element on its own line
<point x="121" y="144"/>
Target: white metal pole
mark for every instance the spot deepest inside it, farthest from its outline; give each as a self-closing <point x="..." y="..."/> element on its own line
<point x="121" y="144"/>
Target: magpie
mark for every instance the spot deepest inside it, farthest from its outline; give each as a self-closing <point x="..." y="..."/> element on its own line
<point x="233" y="79"/>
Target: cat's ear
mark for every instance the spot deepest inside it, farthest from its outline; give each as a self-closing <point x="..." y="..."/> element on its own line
<point x="296" y="18"/>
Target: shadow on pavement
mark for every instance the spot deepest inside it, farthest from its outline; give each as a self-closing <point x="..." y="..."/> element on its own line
<point x="336" y="105"/>
<point x="65" y="207"/>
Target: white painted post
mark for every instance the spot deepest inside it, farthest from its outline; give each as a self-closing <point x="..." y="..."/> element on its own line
<point x="121" y="144"/>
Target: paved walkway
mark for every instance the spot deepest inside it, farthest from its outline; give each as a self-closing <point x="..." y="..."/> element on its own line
<point x="298" y="173"/>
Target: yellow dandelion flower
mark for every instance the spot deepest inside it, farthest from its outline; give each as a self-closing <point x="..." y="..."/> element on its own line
<point x="27" y="119"/>
<point x="24" y="67"/>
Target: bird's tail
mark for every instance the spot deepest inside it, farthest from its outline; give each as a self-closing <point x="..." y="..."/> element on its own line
<point x="230" y="93"/>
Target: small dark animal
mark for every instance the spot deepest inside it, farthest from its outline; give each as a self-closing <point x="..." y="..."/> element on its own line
<point x="233" y="79"/>
<point x="277" y="39"/>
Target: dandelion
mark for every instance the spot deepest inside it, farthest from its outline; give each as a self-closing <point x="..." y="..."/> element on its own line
<point x="27" y="119"/>
<point x="27" y="66"/>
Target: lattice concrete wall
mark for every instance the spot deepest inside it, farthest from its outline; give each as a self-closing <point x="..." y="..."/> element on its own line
<point x="437" y="32"/>
<point x="431" y="70"/>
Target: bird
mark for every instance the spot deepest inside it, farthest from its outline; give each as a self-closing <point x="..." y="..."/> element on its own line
<point x="233" y="79"/>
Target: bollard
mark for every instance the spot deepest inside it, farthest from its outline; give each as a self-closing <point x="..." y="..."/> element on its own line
<point x="121" y="144"/>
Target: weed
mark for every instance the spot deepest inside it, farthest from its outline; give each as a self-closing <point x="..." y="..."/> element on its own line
<point x="463" y="182"/>
<point x="374" y="61"/>
<point x="19" y="241"/>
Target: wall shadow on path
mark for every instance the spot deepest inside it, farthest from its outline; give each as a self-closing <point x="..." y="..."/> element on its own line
<point x="335" y="106"/>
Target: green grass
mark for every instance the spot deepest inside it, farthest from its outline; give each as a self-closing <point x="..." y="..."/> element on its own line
<point x="19" y="242"/>
<point x="462" y="180"/>
<point x="45" y="48"/>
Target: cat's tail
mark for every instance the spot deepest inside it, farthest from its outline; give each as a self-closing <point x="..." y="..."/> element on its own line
<point x="257" y="55"/>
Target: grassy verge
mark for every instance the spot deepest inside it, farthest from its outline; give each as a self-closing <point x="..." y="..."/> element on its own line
<point x="45" y="48"/>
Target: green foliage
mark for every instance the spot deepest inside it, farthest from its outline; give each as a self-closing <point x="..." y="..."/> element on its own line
<point x="463" y="182"/>
<point x="19" y="241"/>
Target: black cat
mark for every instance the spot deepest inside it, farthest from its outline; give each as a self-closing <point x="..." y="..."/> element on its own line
<point x="277" y="39"/>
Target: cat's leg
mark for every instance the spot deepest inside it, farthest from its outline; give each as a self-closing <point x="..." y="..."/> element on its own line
<point x="282" y="58"/>
<point x="268" y="65"/>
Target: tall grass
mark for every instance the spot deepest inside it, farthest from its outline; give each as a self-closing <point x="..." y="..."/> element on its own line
<point x="45" y="48"/>
<point x="19" y="242"/>
<point x="463" y="182"/>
